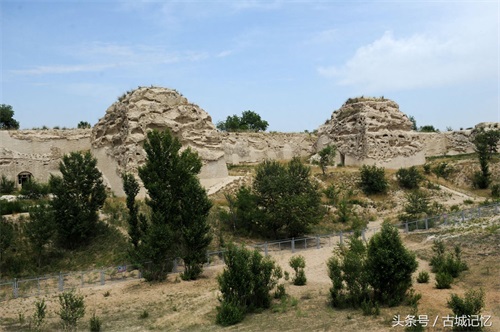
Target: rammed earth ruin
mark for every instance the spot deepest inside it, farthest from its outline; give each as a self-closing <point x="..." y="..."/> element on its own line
<point x="369" y="131"/>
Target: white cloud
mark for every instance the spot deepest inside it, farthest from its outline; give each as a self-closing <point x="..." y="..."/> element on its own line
<point x="62" y="69"/>
<point x="462" y="50"/>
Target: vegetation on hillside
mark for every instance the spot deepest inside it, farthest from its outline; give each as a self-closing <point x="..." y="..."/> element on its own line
<point x="249" y="121"/>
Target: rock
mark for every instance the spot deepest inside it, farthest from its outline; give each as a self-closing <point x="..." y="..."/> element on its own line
<point x="120" y="134"/>
<point x="372" y="131"/>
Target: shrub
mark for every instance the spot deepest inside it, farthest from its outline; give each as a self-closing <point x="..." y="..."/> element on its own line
<point x="450" y="264"/>
<point x="423" y="277"/>
<point x="298" y="263"/>
<point x="466" y="308"/>
<point x="389" y="265"/>
<point x="95" y="323"/>
<point x="443" y="170"/>
<point x="280" y="292"/>
<point x="144" y="314"/>
<point x="443" y="280"/>
<point x="245" y="284"/>
<point x="349" y="275"/>
<point x="72" y="309"/>
<point x="34" y="190"/>
<point x="427" y="169"/>
<point x="409" y="178"/>
<point x="416" y="206"/>
<point x="229" y="314"/>
<point x="39" y="315"/>
<point x="7" y="186"/>
<point x="373" y="180"/>
<point x="332" y="193"/>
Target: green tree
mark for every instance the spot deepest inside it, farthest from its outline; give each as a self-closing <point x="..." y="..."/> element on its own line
<point x="416" y="206"/>
<point x="413" y="122"/>
<point x="373" y="180"/>
<point x="288" y="201"/>
<point x="326" y="157"/>
<point x="253" y="122"/>
<point x="40" y="230"/>
<point x="485" y="144"/>
<point x="6" y="239"/>
<point x="83" y="125"/>
<point x="249" y="120"/>
<point x="131" y="188"/>
<point x="78" y="195"/>
<point x="179" y="207"/>
<point x="428" y="129"/>
<point x="467" y="307"/>
<point x="7" y="120"/>
<point x="389" y="265"/>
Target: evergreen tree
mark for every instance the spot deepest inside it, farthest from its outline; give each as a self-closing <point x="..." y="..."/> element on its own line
<point x="131" y="188"/>
<point x="78" y="195"/>
<point x="179" y="207"/>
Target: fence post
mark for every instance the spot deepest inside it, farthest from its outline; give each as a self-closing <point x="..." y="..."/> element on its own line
<point x="341" y="238"/>
<point x="363" y="235"/>
<point x="426" y="223"/>
<point x="208" y="259"/>
<point x="61" y="282"/>
<point x="293" y="244"/>
<point x="265" y="249"/>
<point x="496" y="208"/>
<point x="463" y="215"/>
<point x="102" y="277"/>
<point x="14" y="289"/>
<point x="479" y="211"/>
<point x="406" y="227"/>
<point x="317" y="242"/>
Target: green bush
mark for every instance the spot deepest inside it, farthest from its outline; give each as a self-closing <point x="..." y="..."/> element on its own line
<point x="467" y="307"/>
<point x="443" y="280"/>
<point x="423" y="277"/>
<point x="35" y="190"/>
<point x="7" y="186"/>
<point x="71" y="311"/>
<point x="95" y="323"/>
<point x="373" y="180"/>
<point x="280" y="291"/>
<point x="442" y="262"/>
<point x="427" y="169"/>
<point x="443" y="170"/>
<point x="229" y="314"/>
<point x="390" y="266"/>
<point x="14" y="207"/>
<point x="298" y="263"/>
<point x="409" y="178"/>
<point x="39" y="316"/>
<point x="245" y="284"/>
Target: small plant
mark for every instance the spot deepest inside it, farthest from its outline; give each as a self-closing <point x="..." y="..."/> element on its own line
<point x="369" y="308"/>
<point x="427" y="169"/>
<point x="144" y="314"/>
<point x="298" y="263"/>
<point x="95" y="323"/>
<point x="7" y="186"/>
<point x="468" y="306"/>
<point x="72" y="309"/>
<point x="39" y="315"/>
<point x="443" y="170"/>
<point x="413" y="298"/>
<point x="229" y="314"/>
<point x="423" y="277"/>
<point x="280" y="292"/>
<point x="287" y="275"/>
<point x="106" y="293"/>
<point x="443" y="280"/>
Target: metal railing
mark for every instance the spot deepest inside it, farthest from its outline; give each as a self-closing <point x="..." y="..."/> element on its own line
<point x="64" y="281"/>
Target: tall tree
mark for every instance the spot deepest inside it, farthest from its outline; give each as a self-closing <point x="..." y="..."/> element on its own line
<point x="6" y="239"/>
<point x="131" y="188"/>
<point x="249" y="120"/>
<point x="179" y="206"/>
<point x="7" y="120"/>
<point x="78" y="195"/>
<point x="326" y="157"/>
<point x="485" y="144"/>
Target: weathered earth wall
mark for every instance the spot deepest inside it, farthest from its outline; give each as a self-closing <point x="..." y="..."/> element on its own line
<point x="257" y="147"/>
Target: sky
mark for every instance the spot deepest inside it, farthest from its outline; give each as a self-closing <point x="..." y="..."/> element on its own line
<point x="292" y="62"/>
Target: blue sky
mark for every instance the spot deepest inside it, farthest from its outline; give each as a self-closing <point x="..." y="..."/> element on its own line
<point x="293" y="62"/>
